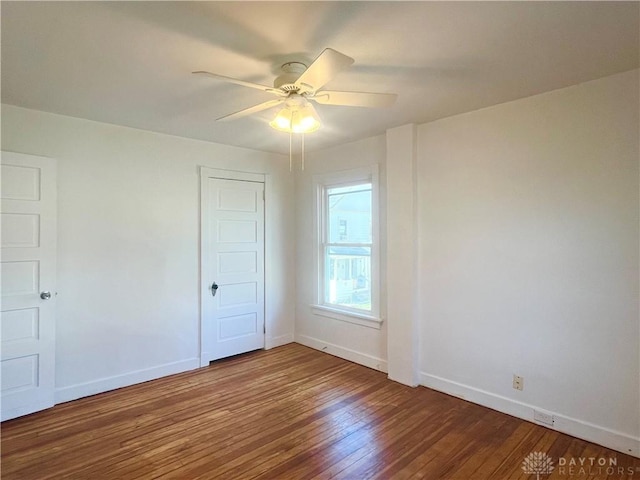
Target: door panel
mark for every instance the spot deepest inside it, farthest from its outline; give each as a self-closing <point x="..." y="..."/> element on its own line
<point x="19" y="182"/>
<point x="237" y="200"/>
<point x="233" y="258"/>
<point x="28" y="267"/>
<point x="238" y="326"/>
<point x="20" y="230"/>
<point x="19" y="374"/>
<point x="237" y="231"/>
<point x="236" y="294"/>
<point x="19" y="278"/>
<point x="237" y="262"/>
<point x="21" y="324"/>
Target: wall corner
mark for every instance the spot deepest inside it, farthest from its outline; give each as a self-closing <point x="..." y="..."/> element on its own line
<point x="401" y="256"/>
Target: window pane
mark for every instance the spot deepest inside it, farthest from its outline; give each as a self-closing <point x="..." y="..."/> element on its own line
<point x="348" y="277"/>
<point x="349" y="210"/>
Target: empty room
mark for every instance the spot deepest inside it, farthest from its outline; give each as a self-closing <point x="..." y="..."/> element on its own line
<point x="314" y="240"/>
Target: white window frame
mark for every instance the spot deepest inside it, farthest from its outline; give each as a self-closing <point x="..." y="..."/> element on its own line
<point x="321" y="183"/>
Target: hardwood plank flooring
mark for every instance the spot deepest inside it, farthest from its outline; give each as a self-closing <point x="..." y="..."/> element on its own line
<point x="288" y="413"/>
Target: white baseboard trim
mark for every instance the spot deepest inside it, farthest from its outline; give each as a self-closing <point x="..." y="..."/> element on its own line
<point x="273" y="342"/>
<point x="571" y="426"/>
<point x="73" y="392"/>
<point x="342" y="352"/>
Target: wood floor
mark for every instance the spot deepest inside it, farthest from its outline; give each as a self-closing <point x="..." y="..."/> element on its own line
<point x="288" y="413"/>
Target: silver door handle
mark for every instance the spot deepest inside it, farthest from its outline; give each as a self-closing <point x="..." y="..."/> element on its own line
<point x="214" y="289"/>
<point x="45" y="295"/>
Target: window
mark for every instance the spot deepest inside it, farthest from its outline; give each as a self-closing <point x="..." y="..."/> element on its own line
<point x="347" y="256"/>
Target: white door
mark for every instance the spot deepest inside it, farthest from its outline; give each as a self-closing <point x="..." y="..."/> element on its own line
<point x="232" y="271"/>
<point x="28" y="269"/>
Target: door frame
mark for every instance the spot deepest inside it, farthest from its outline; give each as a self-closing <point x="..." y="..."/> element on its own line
<point x="221" y="174"/>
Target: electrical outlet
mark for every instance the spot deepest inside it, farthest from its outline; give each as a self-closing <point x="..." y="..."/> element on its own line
<point x="544" y="418"/>
<point x="518" y="382"/>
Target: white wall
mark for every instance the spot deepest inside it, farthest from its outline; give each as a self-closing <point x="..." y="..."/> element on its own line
<point x="128" y="265"/>
<point x="357" y="343"/>
<point x="528" y="233"/>
<point x="529" y="257"/>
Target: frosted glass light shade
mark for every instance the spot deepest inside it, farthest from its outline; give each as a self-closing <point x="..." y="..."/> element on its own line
<point x="295" y="119"/>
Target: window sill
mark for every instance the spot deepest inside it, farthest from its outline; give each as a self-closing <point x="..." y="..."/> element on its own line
<point x="345" y="316"/>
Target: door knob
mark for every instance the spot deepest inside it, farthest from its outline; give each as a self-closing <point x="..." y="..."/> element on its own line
<point x="45" y="295"/>
<point x="214" y="289"/>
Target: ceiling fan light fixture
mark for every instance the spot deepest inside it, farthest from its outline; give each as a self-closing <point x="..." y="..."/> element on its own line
<point x="305" y="120"/>
<point x="294" y="119"/>
<point x="282" y="121"/>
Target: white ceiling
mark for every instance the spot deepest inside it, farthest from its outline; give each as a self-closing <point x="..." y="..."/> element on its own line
<point x="129" y="63"/>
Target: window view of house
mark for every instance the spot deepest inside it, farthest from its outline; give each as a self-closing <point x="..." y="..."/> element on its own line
<point x="347" y="253"/>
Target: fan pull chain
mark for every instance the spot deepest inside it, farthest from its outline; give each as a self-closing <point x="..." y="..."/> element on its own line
<point x="302" y="155"/>
<point x="290" y="153"/>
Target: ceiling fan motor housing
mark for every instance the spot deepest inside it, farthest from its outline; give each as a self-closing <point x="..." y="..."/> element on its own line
<point x="286" y="81"/>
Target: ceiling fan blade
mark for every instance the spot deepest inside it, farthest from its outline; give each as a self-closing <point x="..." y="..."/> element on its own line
<point x="323" y="69"/>
<point x="355" y="99"/>
<point x="250" y="110"/>
<point x="257" y="86"/>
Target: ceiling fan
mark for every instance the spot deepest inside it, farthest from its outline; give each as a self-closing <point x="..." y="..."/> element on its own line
<point x="297" y="85"/>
